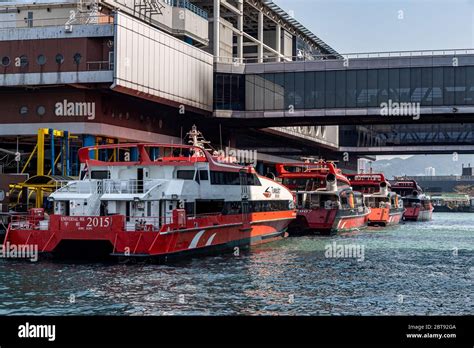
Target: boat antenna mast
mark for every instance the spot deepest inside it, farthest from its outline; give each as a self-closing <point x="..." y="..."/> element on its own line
<point x="197" y="139"/>
<point x="309" y="159"/>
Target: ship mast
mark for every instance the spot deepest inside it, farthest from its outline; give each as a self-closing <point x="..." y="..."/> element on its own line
<point x="197" y="139"/>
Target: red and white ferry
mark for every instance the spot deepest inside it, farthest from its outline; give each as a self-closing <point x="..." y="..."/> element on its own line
<point x="386" y="208"/>
<point x="168" y="201"/>
<point x="418" y="206"/>
<point x="325" y="200"/>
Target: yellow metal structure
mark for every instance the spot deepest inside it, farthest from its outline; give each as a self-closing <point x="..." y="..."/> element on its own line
<point x="39" y="151"/>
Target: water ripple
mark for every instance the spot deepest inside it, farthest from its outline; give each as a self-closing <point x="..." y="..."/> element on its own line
<point x="413" y="268"/>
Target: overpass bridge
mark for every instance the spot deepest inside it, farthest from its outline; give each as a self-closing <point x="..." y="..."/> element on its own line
<point x="423" y="87"/>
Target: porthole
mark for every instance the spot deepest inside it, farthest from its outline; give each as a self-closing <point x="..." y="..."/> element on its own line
<point x="23" y="61"/>
<point x="41" y="59"/>
<point x="77" y="58"/>
<point x="40" y="110"/>
<point x="6" y="61"/>
<point x="23" y="110"/>
<point x="59" y="58"/>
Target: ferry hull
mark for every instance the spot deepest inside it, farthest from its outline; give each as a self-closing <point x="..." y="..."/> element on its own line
<point x="327" y="221"/>
<point x="384" y="217"/>
<point x="417" y="214"/>
<point x="210" y="235"/>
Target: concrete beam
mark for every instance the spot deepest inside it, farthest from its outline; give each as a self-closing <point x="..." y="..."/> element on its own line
<point x="230" y="7"/>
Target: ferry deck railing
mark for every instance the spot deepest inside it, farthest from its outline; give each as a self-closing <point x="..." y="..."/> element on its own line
<point x="107" y="186"/>
<point x="130" y="223"/>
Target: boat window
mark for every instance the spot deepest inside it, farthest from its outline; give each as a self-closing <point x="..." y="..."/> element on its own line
<point x="299" y="199"/>
<point x="315" y="201"/>
<point x="209" y="206"/>
<point x="374" y="202"/>
<point x="341" y="183"/>
<point x="100" y="174"/>
<point x="185" y="174"/>
<point x="303" y="184"/>
<point x="365" y="189"/>
<point x="252" y="180"/>
<point x="148" y="208"/>
<point x="265" y="206"/>
<point x="83" y="174"/>
<point x="225" y="178"/>
<point x="189" y="207"/>
<point x="203" y="175"/>
<point x="409" y="202"/>
<point x="344" y="200"/>
<point x="232" y="208"/>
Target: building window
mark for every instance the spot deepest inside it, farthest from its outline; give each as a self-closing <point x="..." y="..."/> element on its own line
<point x="77" y="58"/>
<point x="59" y="58"/>
<point x="41" y="59"/>
<point x="24" y="110"/>
<point x="29" y="20"/>
<point x="360" y="88"/>
<point x="6" y="61"/>
<point x="23" y="61"/>
<point x="41" y="110"/>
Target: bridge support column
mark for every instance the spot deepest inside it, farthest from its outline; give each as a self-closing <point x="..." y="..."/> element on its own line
<point x="240" y="28"/>
<point x="216" y="28"/>
<point x="260" y="36"/>
<point x="278" y="41"/>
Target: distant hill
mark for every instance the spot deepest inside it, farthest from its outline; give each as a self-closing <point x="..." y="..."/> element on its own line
<point x="415" y="165"/>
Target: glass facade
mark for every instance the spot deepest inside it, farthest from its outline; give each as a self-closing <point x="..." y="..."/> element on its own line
<point x="432" y="86"/>
<point x="406" y="134"/>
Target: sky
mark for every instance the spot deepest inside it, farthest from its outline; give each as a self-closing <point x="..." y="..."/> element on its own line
<point x="352" y="26"/>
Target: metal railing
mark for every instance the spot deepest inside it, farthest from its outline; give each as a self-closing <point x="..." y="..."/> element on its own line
<point x="76" y="186"/>
<point x="107" y="186"/>
<point x="100" y="65"/>
<point x="346" y="56"/>
<point x="100" y="19"/>
<point x="131" y="186"/>
<point x="437" y="178"/>
<point x="25" y="222"/>
<point x="189" y="6"/>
